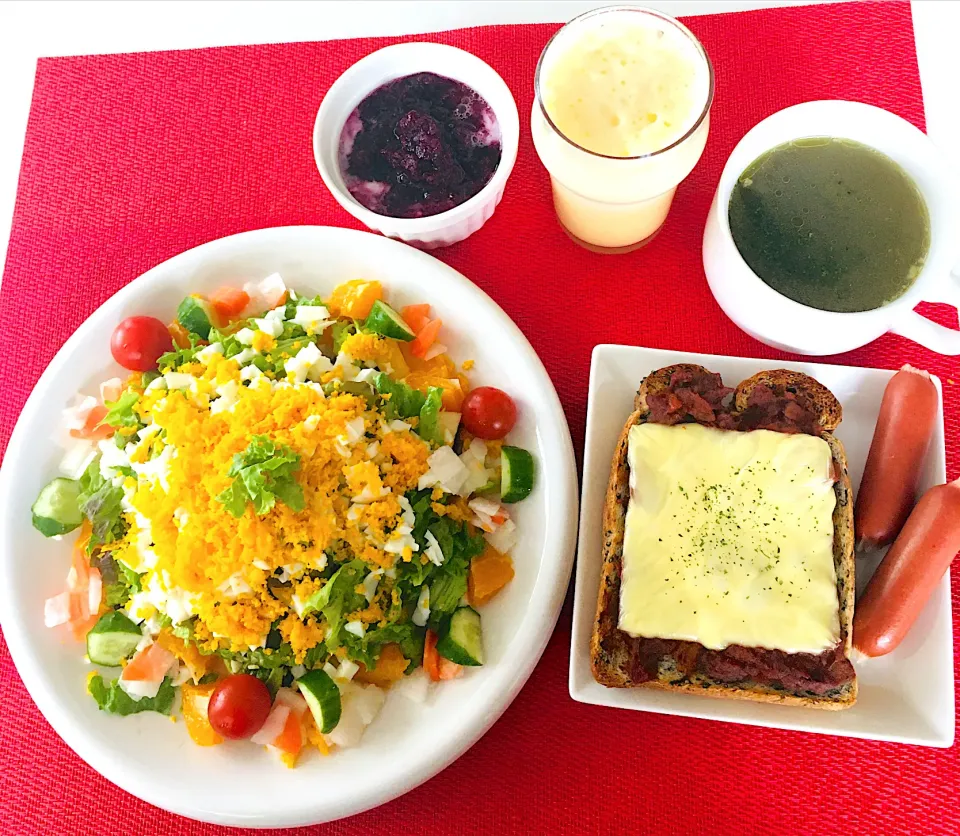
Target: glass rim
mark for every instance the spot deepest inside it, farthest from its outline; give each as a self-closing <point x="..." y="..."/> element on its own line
<point x="653" y="13"/>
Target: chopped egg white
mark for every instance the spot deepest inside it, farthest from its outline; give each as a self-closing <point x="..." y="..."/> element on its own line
<point x="445" y="470"/>
<point x="422" y="611"/>
<point x="433" y="550"/>
<point x="250" y="373"/>
<point x="409" y="517"/>
<point x="179" y="380"/>
<point x="156" y="470"/>
<point x="504" y="538"/>
<point x="75" y="415"/>
<point x="358" y="628"/>
<point x="77" y="458"/>
<point x="314" y="319"/>
<point x="300" y="365"/>
<point x="346" y="363"/>
<point x="234" y="586"/>
<point x="270" y="326"/>
<point x="401" y="538"/>
<point x="207" y="353"/>
<point x="370" y="584"/>
<point x="228" y="393"/>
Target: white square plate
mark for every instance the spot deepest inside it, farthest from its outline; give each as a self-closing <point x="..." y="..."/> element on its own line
<point x="906" y="696"/>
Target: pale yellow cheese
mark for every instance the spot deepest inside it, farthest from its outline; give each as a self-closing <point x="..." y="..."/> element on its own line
<point x="729" y="539"/>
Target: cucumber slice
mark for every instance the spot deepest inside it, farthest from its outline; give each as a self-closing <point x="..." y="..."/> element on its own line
<point x="516" y="474"/>
<point x="194" y="314"/>
<point x="385" y="321"/>
<point x="113" y="638"/>
<point x="57" y="509"/>
<point x="461" y="638"/>
<point x="323" y="697"/>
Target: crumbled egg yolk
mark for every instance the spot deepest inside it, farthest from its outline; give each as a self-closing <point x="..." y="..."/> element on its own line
<point x="368" y="348"/>
<point x="262" y="341"/>
<point x="201" y="549"/>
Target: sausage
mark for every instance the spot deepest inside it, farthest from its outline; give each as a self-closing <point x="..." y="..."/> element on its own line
<point x="888" y="489"/>
<point x="909" y="572"/>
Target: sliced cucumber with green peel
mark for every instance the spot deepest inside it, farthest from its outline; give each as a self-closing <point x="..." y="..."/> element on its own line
<point x="385" y="321"/>
<point x="194" y="314"/>
<point x="516" y="474"/>
<point x="113" y="638"/>
<point x="57" y="509"/>
<point x="323" y="697"/>
<point x="461" y="638"/>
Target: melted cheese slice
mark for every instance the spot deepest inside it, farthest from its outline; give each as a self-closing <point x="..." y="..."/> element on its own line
<point x="729" y="539"/>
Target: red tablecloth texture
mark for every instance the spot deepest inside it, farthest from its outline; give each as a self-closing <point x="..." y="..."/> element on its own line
<point x="131" y="159"/>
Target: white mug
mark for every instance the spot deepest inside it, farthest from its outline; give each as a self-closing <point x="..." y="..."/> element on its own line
<point x="783" y="323"/>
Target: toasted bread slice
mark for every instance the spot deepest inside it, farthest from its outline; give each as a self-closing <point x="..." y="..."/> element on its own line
<point x="823" y="401"/>
<point x="611" y="650"/>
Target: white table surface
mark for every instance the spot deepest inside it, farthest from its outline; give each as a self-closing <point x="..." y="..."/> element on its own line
<point x="29" y="30"/>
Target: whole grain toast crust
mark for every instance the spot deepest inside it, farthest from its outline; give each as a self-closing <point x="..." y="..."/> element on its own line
<point x="610" y="659"/>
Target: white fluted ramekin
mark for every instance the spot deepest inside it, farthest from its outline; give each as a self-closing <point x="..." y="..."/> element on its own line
<point x="396" y="61"/>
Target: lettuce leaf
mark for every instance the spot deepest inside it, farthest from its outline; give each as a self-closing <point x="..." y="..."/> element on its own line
<point x="340" y="331"/>
<point x="179" y="356"/>
<point x="408" y="636"/>
<point x="118" y="592"/>
<point x="400" y="400"/>
<point x="111" y="697"/>
<point x="120" y="412"/>
<point x="99" y="502"/>
<point x="262" y="474"/>
<point x="337" y="598"/>
<point x="448" y="584"/>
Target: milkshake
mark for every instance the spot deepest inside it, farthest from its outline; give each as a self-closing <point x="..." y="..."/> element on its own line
<point x="620" y="118"/>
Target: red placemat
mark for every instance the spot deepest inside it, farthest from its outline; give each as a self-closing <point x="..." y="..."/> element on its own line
<point x="130" y="159"/>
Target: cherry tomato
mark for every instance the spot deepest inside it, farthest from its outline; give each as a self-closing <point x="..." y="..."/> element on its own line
<point x="488" y="413"/>
<point x="239" y="706"/>
<point x="138" y="341"/>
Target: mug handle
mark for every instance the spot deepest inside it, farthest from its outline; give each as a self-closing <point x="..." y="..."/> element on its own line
<point x="925" y="331"/>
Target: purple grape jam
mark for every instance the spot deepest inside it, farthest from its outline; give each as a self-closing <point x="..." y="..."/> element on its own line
<point x="419" y="145"/>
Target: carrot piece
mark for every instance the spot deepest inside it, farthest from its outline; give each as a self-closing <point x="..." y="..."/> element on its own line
<point x="92" y="428"/>
<point x="416" y="316"/>
<point x="78" y="578"/>
<point x="82" y="627"/>
<point x="431" y="659"/>
<point x="489" y="573"/>
<point x="149" y="664"/>
<point x="229" y="302"/>
<point x="426" y="338"/>
<point x="196" y="662"/>
<point x="111" y="390"/>
<point x="449" y="670"/>
<point x="290" y="740"/>
<point x="390" y="667"/>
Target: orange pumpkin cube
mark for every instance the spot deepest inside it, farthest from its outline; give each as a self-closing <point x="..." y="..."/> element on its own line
<point x="489" y="573"/>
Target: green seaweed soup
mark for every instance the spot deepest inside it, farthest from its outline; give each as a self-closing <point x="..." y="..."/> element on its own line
<point x="830" y="223"/>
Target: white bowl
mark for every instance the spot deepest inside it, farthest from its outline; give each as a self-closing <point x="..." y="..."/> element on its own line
<point x="395" y="62"/>
<point x="238" y="784"/>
